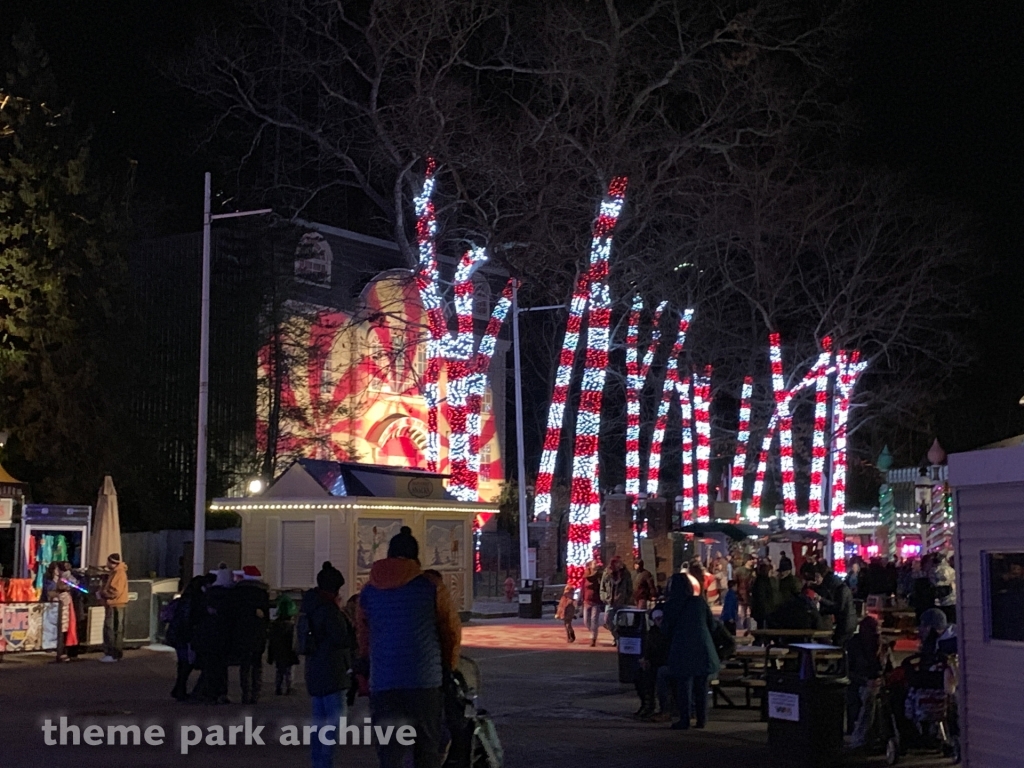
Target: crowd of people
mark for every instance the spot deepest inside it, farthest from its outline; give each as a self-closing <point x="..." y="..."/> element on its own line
<point x="685" y="643"/>
<point x="396" y="641"/>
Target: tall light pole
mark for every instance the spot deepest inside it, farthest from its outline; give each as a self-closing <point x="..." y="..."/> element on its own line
<point x="525" y="571"/>
<point x="199" y="530"/>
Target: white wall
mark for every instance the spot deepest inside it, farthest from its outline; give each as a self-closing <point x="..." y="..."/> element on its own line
<point x="989" y="492"/>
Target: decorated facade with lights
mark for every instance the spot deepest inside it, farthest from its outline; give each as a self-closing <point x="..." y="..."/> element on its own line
<point x="363" y="386"/>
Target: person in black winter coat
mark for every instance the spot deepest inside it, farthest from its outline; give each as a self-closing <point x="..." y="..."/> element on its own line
<point x="328" y="649"/>
<point x="251" y="598"/>
<point x="212" y="641"/>
<point x="837" y="602"/>
<point x="655" y="656"/>
<point x="188" y="611"/>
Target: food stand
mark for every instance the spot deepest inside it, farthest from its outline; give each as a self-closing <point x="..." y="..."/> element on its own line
<point x="347" y="513"/>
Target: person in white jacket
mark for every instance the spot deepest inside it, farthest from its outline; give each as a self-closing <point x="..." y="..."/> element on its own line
<point x="943" y="579"/>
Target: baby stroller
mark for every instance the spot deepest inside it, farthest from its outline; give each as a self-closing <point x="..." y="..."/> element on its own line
<point x="916" y="712"/>
<point x="473" y="739"/>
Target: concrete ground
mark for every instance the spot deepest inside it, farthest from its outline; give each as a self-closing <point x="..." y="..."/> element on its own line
<point x="551" y="702"/>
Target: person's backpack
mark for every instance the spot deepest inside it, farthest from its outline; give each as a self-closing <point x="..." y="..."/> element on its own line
<point x="305" y="639"/>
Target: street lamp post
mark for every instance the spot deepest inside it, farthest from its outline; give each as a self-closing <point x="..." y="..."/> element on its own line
<point x="199" y="530"/>
<point x="525" y="571"/>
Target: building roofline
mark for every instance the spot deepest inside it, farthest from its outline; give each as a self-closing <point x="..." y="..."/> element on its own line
<point x="347" y="234"/>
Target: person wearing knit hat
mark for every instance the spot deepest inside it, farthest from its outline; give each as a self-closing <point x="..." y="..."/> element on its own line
<point x="409" y="630"/>
<point x="327" y="642"/>
<point x="115" y="598"/>
<point x="404" y="544"/>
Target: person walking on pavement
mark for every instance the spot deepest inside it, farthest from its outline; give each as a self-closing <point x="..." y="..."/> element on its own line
<point x="692" y="658"/>
<point x="115" y="597"/>
<point x="328" y="650"/>
<point x="566" y="611"/>
<point x="591" y="599"/>
<point x="409" y="630"/>
<point x="251" y="597"/>
<point x="644" y="588"/>
<point x="616" y="593"/>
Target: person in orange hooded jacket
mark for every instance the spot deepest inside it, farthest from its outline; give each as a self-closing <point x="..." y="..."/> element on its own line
<point x="408" y="628"/>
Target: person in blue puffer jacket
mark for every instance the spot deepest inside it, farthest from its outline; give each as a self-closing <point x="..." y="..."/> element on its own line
<point x="409" y="630"/>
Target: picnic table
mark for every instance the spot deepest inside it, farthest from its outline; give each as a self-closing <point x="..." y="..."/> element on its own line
<point x="787" y="636"/>
<point x="744" y="677"/>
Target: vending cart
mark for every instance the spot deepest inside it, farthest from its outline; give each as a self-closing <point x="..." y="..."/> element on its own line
<point x="52" y="532"/>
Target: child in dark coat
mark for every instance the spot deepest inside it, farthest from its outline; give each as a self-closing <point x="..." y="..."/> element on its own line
<point x="567" y="612"/>
<point x="281" y="652"/>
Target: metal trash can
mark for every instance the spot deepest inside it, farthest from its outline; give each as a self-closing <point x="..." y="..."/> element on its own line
<point x="806" y="704"/>
<point x="530" y="593"/>
<point x="631" y="627"/>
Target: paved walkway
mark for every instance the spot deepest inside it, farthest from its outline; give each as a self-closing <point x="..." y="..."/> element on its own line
<point x="552" y="703"/>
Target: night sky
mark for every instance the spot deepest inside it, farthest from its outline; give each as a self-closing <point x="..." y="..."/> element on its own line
<point x="940" y="86"/>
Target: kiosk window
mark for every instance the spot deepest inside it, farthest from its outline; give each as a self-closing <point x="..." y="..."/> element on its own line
<point x="1005" y="574"/>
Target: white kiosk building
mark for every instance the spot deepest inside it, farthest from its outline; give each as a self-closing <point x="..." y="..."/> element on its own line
<point x="989" y="537"/>
<point x="347" y="513"/>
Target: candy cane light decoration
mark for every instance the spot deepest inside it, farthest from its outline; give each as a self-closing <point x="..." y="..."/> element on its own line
<point x="636" y="374"/>
<point x="585" y="501"/>
<point x="702" y="411"/>
<point x="849" y="367"/>
<point x="669" y="389"/>
<point x="739" y="462"/>
<point x="785" y="427"/>
<point x="466" y="368"/>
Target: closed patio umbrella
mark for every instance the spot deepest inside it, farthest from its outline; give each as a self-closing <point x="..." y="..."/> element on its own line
<point x="106" y="526"/>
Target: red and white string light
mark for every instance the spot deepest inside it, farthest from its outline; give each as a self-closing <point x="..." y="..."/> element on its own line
<point x="560" y="393"/>
<point x="739" y="462"/>
<point x="669" y="390"/>
<point x="466" y="370"/>
<point x="585" y="502"/>
<point x="702" y="411"/>
<point x="686" y="406"/>
<point x="782" y="401"/>
<point x="848" y="370"/>
<point x="821" y="381"/>
<point x="636" y="374"/>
